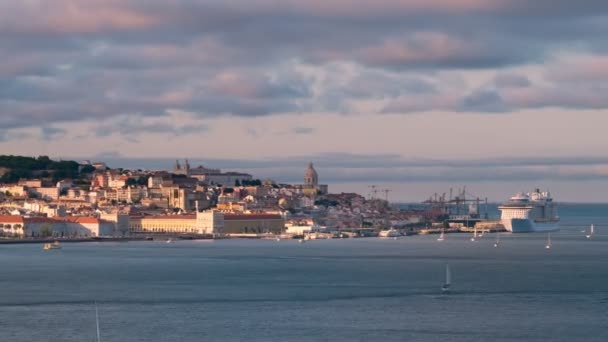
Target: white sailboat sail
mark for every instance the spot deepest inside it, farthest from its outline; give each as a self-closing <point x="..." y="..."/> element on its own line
<point x="97" y="323"/>
<point x="548" y="245"/>
<point x="590" y="232"/>
<point x="448" y="279"/>
<point x="441" y="236"/>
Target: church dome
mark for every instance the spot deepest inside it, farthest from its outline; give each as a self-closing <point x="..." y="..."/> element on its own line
<point x="310" y="176"/>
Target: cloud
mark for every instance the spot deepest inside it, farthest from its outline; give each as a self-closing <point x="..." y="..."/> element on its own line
<point x="483" y="101"/>
<point x="132" y="127"/>
<point x="51" y="133"/>
<point x="503" y="80"/>
<point x="303" y="130"/>
<point x="98" y="60"/>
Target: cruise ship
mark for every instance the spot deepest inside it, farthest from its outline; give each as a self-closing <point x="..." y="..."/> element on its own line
<point x="531" y="212"/>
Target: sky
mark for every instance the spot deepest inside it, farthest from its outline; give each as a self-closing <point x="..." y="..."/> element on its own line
<point x="415" y="96"/>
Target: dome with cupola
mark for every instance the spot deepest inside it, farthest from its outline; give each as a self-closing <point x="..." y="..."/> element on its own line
<point x="311" y="178"/>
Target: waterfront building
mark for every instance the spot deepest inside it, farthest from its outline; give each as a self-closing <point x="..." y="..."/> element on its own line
<point x="253" y="223"/>
<point x="68" y="226"/>
<point x="120" y="221"/>
<point x="299" y="226"/>
<point x="208" y="222"/>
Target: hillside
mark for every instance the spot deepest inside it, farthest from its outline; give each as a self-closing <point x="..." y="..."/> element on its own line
<point x="15" y="168"/>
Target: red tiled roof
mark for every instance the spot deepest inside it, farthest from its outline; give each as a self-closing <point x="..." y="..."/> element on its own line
<point x="11" y="219"/>
<point x="40" y="219"/>
<point x="251" y="216"/>
<point x="165" y="217"/>
<point x="78" y="219"/>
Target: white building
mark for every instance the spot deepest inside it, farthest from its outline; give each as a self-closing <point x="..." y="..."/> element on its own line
<point x="210" y="222"/>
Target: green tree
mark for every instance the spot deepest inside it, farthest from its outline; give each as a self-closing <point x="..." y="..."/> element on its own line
<point x="87" y="169"/>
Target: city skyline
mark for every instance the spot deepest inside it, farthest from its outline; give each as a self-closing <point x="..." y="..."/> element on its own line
<point x="420" y="96"/>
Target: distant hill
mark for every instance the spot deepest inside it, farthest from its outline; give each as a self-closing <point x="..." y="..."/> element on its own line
<point x="15" y="168"/>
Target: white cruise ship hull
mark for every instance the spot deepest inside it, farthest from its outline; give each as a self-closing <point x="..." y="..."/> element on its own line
<point x="517" y="225"/>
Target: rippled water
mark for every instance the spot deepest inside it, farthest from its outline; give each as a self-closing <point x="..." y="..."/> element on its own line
<point x="334" y="290"/>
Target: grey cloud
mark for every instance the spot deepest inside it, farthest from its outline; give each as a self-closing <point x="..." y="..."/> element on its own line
<point x="483" y="101"/>
<point x="133" y="127"/>
<point x="109" y="155"/>
<point x="303" y="130"/>
<point x="51" y="133"/>
<point x="503" y="80"/>
<point x="145" y="56"/>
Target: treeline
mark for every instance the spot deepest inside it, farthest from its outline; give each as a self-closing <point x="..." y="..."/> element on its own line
<point x="20" y="167"/>
<point x="253" y="182"/>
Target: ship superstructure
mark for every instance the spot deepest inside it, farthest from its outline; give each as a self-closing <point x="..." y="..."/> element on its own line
<point x="531" y="212"/>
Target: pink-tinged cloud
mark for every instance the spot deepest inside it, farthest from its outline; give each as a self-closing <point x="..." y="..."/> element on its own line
<point x="422" y="103"/>
<point x="234" y="84"/>
<point x="583" y="97"/>
<point x="431" y="47"/>
<point x="72" y="17"/>
<point x="366" y="8"/>
<point x="591" y="68"/>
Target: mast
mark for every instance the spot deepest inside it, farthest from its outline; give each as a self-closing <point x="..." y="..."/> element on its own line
<point x="448" y="275"/>
<point x="97" y="322"/>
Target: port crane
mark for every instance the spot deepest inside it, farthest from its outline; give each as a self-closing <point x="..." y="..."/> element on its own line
<point x="458" y="204"/>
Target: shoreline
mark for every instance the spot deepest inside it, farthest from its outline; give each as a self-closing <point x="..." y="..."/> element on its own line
<point x="62" y="240"/>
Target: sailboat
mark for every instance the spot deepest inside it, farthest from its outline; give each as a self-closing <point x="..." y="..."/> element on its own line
<point x="590" y="233"/>
<point x="448" y="279"/>
<point x="548" y="245"/>
<point x="474" y="234"/>
<point x="441" y="236"/>
<point x="97" y="323"/>
<point x="497" y="239"/>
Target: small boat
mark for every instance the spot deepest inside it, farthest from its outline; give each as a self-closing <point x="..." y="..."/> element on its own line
<point x="278" y="239"/>
<point x="448" y="280"/>
<point x="474" y="234"/>
<point x="497" y="240"/>
<point x="391" y="233"/>
<point x="548" y="245"/>
<point x="441" y="236"/>
<point x="53" y="245"/>
<point x="301" y="240"/>
<point x="169" y="240"/>
<point x="590" y="234"/>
